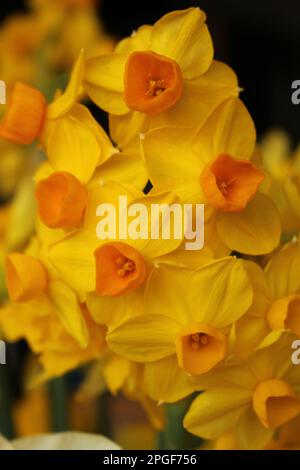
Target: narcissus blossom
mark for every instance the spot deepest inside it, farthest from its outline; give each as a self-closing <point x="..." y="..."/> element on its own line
<point x="283" y="167"/>
<point x="254" y="398"/>
<point x="276" y="301"/>
<point x="30" y="278"/>
<point x="114" y="266"/>
<point x="213" y="166"/>
<point x="186" y="324"/>
<point x="162" y="75"/>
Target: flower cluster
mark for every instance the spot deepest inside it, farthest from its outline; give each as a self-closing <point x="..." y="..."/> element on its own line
<point x="157" y="321"/>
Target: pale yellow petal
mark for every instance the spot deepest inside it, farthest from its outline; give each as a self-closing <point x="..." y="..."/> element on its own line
<point x="221" y="290"/>
<point x="214" y="412"/>
<point x="64" y="103"/>
<point x="282" y="272"/>
<point x="73" y="147"/>
<point x="104" y="82"/>
<point x="250" y="433"/>
<point x="229" y="130"/>
<point x="200" y="99"/>
<point x="184" y="37"/>
<point x="255" y="231"/>
<point x="145" y="338"/>
<point x="166" y="382"/>
<point x="69" y="311"/>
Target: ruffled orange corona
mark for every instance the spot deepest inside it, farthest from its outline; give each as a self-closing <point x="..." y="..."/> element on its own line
<point x="199" y="348"/>
<point x="229" y="184"/>
<point x="153" y="83"/>
<point x="275" y="403"/>
<point x="24" y="116"/>
<point x="26" y="277"/>
<point x="119" y="269"/>
<point x="62" y="200"/>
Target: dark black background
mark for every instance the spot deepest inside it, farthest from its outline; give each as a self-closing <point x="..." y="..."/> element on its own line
<point x="260" y="39"/>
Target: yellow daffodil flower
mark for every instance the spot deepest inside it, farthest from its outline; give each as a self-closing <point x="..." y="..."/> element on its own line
<point x="64" y="127"/>
<point x="161" y="75"/>
<point x="31" y="278"/>
<point x="253" y="398"/>
<point x="283" y="166"/>
<point x="276" y="300"/>
<point x="115" y="266"/>
<point x="185" y="328"/>
<point x="286" y="438"/>
<point x="39" y="322"/>
<point x="213" y="166"/>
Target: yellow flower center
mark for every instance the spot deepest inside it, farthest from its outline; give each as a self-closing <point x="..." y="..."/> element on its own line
<point x="125" y="266"/>
<point x="156" y="87"/>
<point x="199" y="339"/>
<point x="153" y="83"/>
<point x="200" y="347"/>
<point x="120" y="268"/>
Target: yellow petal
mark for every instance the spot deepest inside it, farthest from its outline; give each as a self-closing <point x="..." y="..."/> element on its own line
<point x="262" y="297"/>
<point x="69" y="311"/>
<point x="73" y="259"/>
<point x="84" y="116"/>
<point x="125" y="130"/>
<point x="228" y="131"/>
<point x="183" y="37"/>
<point x="166" y="290"/>
<point x="200" y="99"/>
<point x="103" y="82"/>
<point x="73" y="256"/>
<point x="255" y="231"/>
<point x="250" y="331"/>
<point x="145" y="338"/>
<point x="64" y="103"/>
<point x="166" y="382"/>
<point x="276" y="344"/>
<point x="290" y="189"/>
<point x="138" y="41"/>
<point x="115" y="371"/>
<point x="171" y="162"/>
<point x="231" y="376"/>
<point x="73" y="148"/>
<point x="152" y="248"/>
<point x="112" y="311"/>
<point x="282" y="271"/>
<point x="223" y="290"/>
<point x="21" y="221"/>
<point x="214" y="412"/>
<point x="187" y="258"/>
<point x="124" y="167"/>
<point x="250" y="434"/>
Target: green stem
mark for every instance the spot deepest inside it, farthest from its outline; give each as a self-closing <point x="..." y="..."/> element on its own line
<point x="6" y="421"/>
<point x="58" y="399"/>
<point x="175" y="437"/>
<point x="104" y="424"/>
